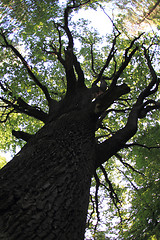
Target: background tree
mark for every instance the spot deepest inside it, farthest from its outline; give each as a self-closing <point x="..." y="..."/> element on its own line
<point x="78" y="117"/>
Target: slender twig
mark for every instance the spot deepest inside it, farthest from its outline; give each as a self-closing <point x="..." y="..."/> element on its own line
<point x="93" y="210"/>
<point x="108" y="60"/>
<point x="113" y="194"/>
<point x="140" y="145"/>
<point x="150" y="11"/>
<point x="96" y="194"/>
<point x="154" y="82"/>
<point x="127" y="164"/>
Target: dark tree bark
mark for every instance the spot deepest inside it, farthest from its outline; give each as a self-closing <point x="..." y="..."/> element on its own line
<point x="46" y="186"/>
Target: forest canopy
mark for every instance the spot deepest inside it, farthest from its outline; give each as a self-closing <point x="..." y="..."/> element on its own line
<point x="34" y="38"/>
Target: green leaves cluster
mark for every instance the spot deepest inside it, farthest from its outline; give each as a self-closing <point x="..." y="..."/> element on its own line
<point x="2" y="162"/>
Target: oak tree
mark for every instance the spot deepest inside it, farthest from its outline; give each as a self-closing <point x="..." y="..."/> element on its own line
<point x="76" y="99"/>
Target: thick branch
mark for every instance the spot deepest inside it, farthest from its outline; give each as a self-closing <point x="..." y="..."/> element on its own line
<point x="31" y="111"/>
<point x="70" y="74"/>
<point x="105" y="100"/>
<point x="112" y="145"/>
<point x="22" y="135"/>
<point x="79" y="71"/>
<point x="25" y="108"/>
<point x="66" y="28"/>
<point x="22" y="106"/>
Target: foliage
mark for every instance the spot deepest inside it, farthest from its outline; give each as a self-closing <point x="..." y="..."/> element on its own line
<point x="2" y="161"/>
<point x="139" y="14"/>
<point x="145" y="200"/>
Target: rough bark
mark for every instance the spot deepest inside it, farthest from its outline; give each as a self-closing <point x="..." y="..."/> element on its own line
<point x="45" y="188"/>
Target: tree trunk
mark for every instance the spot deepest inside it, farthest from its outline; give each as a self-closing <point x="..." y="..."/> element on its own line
<point x="45" y="188"/>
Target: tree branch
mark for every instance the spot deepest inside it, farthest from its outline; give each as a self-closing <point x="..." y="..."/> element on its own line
<point x="96" y="194"/>
<point x="22" y="135"/>
<point x="54" y="50"/>
<point x="127" y="58"/>
<point x="127" y="164"/>
<point x="26" y="65"/>
<point x="112" y="145"/>
<point x="153" y="85"/>
<point x="92" y="60"/>
<point x="113" y="194"/>
<point x="25" y="108"/>
<point x="22" y="106"/>
<point x="79" y="71"/>
<point x="140" y="145"/>
<point x="150" y="11"/>
<point x="90" y="215"/>
<point x="118" y="141"/>
<point x="105" y="100"/>
<point x="108" y="60"/>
